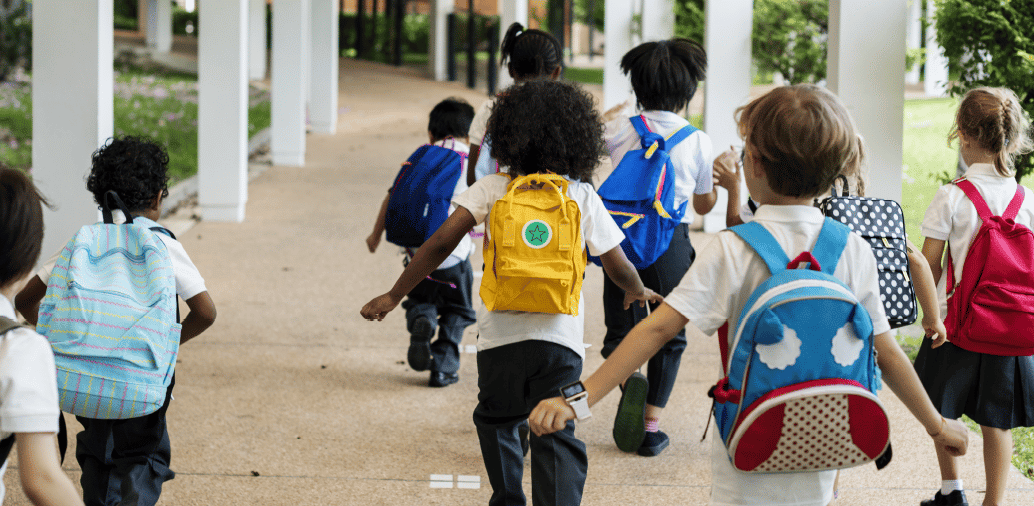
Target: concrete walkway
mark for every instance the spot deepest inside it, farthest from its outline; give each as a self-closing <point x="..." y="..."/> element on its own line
<point x="293" y="399"/>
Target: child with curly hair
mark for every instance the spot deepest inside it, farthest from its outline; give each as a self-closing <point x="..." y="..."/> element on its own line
<point x="537" y="127"/>
<point x="130" y="457"/>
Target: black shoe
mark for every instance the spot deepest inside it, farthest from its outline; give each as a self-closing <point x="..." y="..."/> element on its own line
<point x="630" y="423"/>
<point x="653" y="444"/>
<point x="442" y="379"/>
<point x="419" y="354"/>
<point x="522" y="432"/>
<point x="955" y="498"/>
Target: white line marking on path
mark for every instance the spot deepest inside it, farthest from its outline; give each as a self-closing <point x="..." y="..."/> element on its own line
<point x="470" y="348"/>
<point x="469" y="482"/>
<point x="441" y="481"/>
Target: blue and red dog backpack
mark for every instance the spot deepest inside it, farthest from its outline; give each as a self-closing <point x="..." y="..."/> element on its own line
<point x="799" y="393"/>
<point x="640" y="195"/>
<point x="421" y="194"/>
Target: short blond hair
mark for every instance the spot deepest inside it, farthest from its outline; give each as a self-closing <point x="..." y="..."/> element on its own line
<point x="993" y="118"/>
<point x="804" y="138"/>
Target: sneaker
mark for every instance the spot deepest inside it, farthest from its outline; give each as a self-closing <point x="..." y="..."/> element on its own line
<point x="653" y="444"/>
<point x="419" y="354"/>
<point x="630" y="422"/>
<point x="955" y="498"/>
<point x="442" y="379"/>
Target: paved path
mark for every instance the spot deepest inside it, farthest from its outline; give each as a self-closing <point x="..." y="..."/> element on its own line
<point x="293" y="399"/>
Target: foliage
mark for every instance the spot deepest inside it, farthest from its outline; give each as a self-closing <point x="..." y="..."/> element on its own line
<point x="416" y="29"/>
<point x="689" y="19"/>
<point x="181" y="19"/>
<point x="790" y="38"/>
<point x="15" y="36"/>
<point x="126" y="14"/>
<point x="990" y="43"/>
<point x="582" y="14"/>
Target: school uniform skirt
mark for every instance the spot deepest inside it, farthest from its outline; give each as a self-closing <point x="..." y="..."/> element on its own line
<point x="994" y="391"/>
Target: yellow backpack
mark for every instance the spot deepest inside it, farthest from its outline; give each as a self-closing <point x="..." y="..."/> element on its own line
<point x="534" y="256"/>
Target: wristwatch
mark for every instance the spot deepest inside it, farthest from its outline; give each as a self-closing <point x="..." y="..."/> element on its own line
<point x="578" y="398"/>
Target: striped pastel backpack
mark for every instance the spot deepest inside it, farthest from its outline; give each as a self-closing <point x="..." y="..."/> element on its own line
<point x="110" y="314"/>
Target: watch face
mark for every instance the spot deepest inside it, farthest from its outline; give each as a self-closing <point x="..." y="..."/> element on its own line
<point x="572" y="390"/>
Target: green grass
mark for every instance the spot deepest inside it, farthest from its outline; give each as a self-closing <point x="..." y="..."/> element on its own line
<point x="584" y="75"/>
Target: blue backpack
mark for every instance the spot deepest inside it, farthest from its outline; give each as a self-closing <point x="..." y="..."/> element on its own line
<point x="800" y="388"/>
<point x="640" y="195"/>
<point x="420" y="197"/>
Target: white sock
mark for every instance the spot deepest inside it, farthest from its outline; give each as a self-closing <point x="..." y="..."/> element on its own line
<point x="949" y="486"/>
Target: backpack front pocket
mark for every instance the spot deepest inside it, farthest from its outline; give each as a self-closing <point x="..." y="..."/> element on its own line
<point x="999" y="316"/>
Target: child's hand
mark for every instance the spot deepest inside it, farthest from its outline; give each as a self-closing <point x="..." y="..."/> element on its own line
<point x="726" y="169"/>
<point x="935" y="327"/>
<point x="373" y="241"/>
<point x="648" y="295"/>
<point x="378" y="308"/>
<point x="550" y="415"/>
<point x="953" y="437"/>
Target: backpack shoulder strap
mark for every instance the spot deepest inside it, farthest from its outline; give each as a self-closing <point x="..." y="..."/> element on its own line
<point x="1014" y="205"/>
<point x="164" y="231"/>
<point x="639" y="124"/>
<point x="766" y="246"/>
<point x="974" y="196"/>
<point x="830" y="245"/>
<point x="679" y="136"/>
<point x="7" y="324"/>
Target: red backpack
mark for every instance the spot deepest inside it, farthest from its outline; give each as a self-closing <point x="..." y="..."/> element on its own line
<point x="991" y="309"/>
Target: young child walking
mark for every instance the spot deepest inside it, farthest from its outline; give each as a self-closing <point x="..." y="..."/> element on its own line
<point x="797" y="140"/>
<point x="664" y="77"/>
<point x="962" y="377"/>
<point x="126" y="461"/>
<point x="28" y="388"/>
<point x="527" y="54"/>
<point x="541" y="130"/>
<point x="442" y="300"/>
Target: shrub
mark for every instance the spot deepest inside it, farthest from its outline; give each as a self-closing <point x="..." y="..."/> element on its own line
<point x="790" y="38"/>
<point x="990" y="43"/>
<point x="689" y="19"/>
<point x="15" y="36"/>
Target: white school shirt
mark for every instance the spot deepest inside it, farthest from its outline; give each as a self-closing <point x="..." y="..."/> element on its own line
<point x="479" y="124"/>
<point x="28" y="385"/>
<point x="691" y="159"/>
<point x="463" y="249"/>
<point x="952" y="217"/>
<point x="599" y="233"/>
<point x="715" y="289"/>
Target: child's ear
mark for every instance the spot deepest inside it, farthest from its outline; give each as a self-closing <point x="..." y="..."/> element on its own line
<point x="156" y="204"/>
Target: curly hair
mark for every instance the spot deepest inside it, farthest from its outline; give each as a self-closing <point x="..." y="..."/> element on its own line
<point x="543" y="125"/>
<point x="21" y="224"/>
<point x="136" y="168"/>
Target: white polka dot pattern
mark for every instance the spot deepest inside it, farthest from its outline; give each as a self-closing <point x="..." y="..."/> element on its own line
<point x="815" y="435"/>
<point x="882" y="224"/>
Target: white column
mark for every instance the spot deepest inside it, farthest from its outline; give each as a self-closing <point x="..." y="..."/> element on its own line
<point x="161" y="13"/>
<point x="69" y="122"/>
<point x="223" y="110"/>
<point x="439" y="38"/>
<point x="866" y="48"/>
<point x="914" y="35"/>
<point x="617" y="27"/>
<point x="257" y="40"/>
<point x="510" y="12"/>
<point x="935" y="71"/>
<point x="287" y="145"/>
<point x="325" y="60"/>
<point x="658" y="20"/>
<point x="727" y="36"/>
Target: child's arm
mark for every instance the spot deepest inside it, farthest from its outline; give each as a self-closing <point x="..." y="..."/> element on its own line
<point x="933" y="250"/>
<point x="726" y="171"/>
<point x="43" y="480"/>
<point x="472" y="161"/>
<point x="704" y="202"/>
<point x="434" y="251"/>
<point x="926" y="294"/>
<point x="623" y="274"/>
<point x="642" y="343"/>
<point x="899" y="375"/>
<point x="378" y="226"/>
<point x="200" y="317"/>
<point x="27" y="301"/>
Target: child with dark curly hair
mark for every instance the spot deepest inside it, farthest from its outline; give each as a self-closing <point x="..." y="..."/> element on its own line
<point x="537" y="127"/>
<point x="664" y="77"/>
<point x="130" y="457"/>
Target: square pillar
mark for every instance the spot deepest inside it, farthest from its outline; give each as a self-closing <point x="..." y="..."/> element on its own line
<point x="290" y="28"/>
<point x="70" y="122"/>
<point x="223" y="110"/>
<point x="617" y="27"/>
<point x="866" y="48"/>
<point x="510" y="12"/>
<point x="935" y="80"/>
<point x="914" y="35"/>
<point x="324" y="62"/>
<point x="727" y="38"/>
<point x="257" y="40"/>
<point x="438" y="36"/>
<point x="161" y="14"/>
<point x="658" y="20"/>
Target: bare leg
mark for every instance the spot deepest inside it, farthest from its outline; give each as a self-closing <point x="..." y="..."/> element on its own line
<point x="949" y="466"/>
<point x="653" y="412"/>
<point x="997" y="460"/>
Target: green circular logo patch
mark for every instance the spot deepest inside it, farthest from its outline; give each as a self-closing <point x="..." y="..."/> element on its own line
<point x="537" y="234"/>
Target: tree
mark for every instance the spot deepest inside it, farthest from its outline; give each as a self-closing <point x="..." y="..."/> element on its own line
<point x="15" y="36"/>
<point x="689" y="19"/>
<point x="790" y="38"/>
<point x="990" y="43"/>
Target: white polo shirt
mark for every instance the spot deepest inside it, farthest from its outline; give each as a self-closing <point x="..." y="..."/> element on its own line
<point x="716" y="288"/>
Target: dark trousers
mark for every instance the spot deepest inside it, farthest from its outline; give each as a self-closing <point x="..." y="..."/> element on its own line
<point x="125" y="462"/>
<point x="445" y="301"/>
<point x="662" y="277"/>
<point x="512" y="379"/>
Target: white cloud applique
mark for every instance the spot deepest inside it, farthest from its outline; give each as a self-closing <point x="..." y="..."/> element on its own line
<point x="847" y="347"/>
<point x="782" y="354"/>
